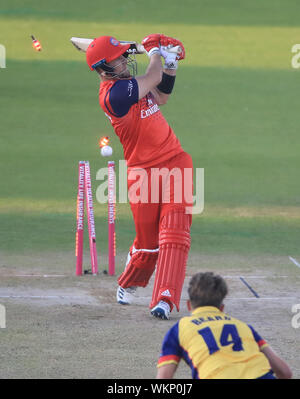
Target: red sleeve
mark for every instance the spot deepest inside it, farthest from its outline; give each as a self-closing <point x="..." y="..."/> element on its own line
<point x="260" y="342"/>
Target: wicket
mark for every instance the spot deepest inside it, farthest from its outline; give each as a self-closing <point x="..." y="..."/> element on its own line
<point x="85" y="193"/>
<point x="80" y="218"/>
<point x="90" y="218"/>
<point x="111" y="218"/>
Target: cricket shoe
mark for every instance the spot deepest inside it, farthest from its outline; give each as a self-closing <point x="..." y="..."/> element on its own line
<point x="162" y="310"/>
<point x="125" y="296"/>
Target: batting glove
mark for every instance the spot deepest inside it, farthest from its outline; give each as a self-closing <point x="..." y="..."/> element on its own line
<point x="168" y="41"/>
<point x="151" y="44"/>
<point x="171" y="61"/>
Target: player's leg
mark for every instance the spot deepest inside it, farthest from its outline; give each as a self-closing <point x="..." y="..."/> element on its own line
<point x="143" y="254"/>
<point x="174" y="245"/>
<point x="139" y="268"/>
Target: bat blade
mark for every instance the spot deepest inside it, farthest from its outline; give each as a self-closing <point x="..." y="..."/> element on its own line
<point x="81" y="43"/>
<point x="135" y="48"/>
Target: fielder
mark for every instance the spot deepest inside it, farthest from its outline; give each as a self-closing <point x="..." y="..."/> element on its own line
<point x="132" y="105"/>
<point x="214" y="344"/>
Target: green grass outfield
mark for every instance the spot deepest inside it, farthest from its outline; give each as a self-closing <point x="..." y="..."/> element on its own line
<point x="235" y="109"/>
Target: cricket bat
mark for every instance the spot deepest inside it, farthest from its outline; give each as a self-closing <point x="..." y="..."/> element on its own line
<point x="83" y="43"/>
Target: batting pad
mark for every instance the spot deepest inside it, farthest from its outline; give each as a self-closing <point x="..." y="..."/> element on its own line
<point x="139" y="269"/>
<point x="174" y="245"/>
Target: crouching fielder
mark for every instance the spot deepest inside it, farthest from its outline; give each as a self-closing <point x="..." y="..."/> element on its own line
<point x="159" y="171"/>
<point x="215" y="345"/>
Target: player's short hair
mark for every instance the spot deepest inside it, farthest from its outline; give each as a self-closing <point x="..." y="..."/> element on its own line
<point x="207" y="289"/>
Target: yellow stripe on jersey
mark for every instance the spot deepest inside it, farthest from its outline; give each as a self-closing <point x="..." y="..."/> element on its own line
<point x="163" y="363"/>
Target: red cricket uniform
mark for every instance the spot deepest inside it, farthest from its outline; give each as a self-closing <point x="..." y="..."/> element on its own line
<point x="148" y="142"/>
<point x="145" y="135"/>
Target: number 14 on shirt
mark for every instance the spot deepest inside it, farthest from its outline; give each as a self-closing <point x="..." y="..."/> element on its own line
<point x="229" y="335"/>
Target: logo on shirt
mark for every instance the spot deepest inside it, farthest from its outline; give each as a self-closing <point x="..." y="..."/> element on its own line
<point x="114" y="41"/>
<point x="150" y="111"/>
<point x="130" y="87"/>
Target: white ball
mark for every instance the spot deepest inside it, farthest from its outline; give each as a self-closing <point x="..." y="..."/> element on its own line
<point x="106" y="151"/>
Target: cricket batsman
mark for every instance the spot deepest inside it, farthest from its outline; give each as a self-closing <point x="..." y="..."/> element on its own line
<point x="132" y="105"/>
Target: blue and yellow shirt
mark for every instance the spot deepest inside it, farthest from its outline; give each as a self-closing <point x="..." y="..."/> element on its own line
<point x="215" y="346"/>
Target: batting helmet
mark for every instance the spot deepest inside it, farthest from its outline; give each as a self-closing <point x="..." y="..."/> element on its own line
<point x="102" y="50"/>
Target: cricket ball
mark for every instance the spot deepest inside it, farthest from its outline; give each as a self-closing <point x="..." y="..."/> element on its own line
<point x="106" y="151"/>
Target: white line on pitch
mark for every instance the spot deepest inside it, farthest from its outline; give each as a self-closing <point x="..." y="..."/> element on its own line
<point x="281" y="298"/>
<point x="33" y="275"/>
<point x="256" y="277"/>
<point x="294" y="261"/>
<point x="184" y="298"/>
<point x="40" y="297"/>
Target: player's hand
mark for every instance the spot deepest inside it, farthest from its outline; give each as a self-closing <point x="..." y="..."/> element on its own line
<point x="171" y="61"/>
<point x="171" y="42"/>
<point x="151" y="44"/>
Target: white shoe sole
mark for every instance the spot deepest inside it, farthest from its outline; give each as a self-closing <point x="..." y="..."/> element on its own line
<point x="161" y="312"/>
<point x="124" y="297"/>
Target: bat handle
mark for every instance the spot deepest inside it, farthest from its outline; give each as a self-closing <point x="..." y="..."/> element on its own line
<point x="174" y="49"/>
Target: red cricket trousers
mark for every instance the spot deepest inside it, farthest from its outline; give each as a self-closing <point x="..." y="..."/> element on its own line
<point x="155" y="191"/>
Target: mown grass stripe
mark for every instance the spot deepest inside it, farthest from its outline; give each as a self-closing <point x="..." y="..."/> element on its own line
<point x="220" y="45"/>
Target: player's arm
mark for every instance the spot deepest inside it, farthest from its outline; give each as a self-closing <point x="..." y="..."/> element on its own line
<point x="279" y="366"/>
<point x="162" y="91"/>
<point x="153" y="75"/>
<point x="121" y="96"/>
<point x="167" y="371"/>
<point x="170" y="355"/>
